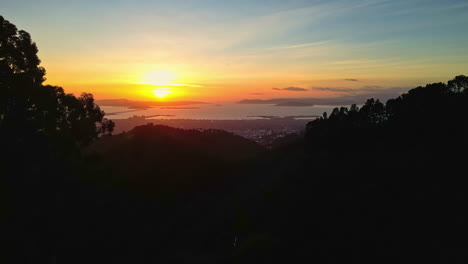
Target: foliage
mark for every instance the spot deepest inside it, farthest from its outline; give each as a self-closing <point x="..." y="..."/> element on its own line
<point x="29" y="109"/>
<point x="433" y="113"/>
<point x="379" y="183"/>
<point x="42" y="131"/>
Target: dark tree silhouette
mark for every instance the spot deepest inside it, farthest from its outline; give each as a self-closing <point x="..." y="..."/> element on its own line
<point x="42" y="130"/>
<point x="379" y="183"/>
<point x="375" y="183"/>
<point x="434" y="113"/>
<point x="459" y="84"/>
<point x="27" y="106"/>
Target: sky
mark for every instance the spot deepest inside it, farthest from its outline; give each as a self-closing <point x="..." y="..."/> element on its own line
<point x="212" y="50"/>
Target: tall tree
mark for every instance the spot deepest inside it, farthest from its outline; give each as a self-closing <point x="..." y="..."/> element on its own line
<point x="27" y="107"/>
<point x="42" y="129"/>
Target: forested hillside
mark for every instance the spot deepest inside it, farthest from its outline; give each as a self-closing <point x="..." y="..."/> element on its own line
<point x="383" y="183"/>
<point x="379" y="183"/>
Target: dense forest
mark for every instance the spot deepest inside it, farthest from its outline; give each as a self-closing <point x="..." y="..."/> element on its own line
<point x="379" y="183"/>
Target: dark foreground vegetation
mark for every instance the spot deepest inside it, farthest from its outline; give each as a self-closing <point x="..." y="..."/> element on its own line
<point x="383" y="183"/>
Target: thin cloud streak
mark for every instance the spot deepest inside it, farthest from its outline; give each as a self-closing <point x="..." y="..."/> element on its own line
<point x="298" y="46"/>
<point x="365" y="89"/>
<point x="293" y="89"/>
<point x="346" y="98"/>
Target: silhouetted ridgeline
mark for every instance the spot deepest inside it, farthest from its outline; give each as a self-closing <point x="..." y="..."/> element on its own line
<point x="156" y="194"/>
<point x="171" y="159"/>
<point x="431" y="118"/>
<point x="384" y="183"/>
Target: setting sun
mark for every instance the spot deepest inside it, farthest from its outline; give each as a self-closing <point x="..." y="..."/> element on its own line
<point x="162" y="79"/>
<point x="161" y="92"/>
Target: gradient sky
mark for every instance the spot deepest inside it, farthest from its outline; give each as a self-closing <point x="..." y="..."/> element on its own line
<point x="228" y="50"/>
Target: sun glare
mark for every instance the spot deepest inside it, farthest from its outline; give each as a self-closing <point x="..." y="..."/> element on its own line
<point x="160" y="78"/>
<point x="163" y="80"/>
<point x="161" y="92"/>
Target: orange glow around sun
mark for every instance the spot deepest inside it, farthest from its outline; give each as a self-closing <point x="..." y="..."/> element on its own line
<point x="160" y="78"/>
<point x="161" y="92"/>
<point x="163" y="80"/>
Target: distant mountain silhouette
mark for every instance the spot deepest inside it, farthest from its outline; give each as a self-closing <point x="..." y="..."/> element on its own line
<point x="149" y="152"/>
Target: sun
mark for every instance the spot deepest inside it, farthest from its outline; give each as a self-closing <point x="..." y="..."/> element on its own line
<point x="161" y="92"/>
<point x="162" y="80"/>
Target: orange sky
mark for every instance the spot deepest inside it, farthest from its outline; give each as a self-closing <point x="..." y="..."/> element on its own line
<point x="227" y="51"/>
<point x="215" y="82"/>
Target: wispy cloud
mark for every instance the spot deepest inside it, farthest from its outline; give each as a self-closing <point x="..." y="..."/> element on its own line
<point x="374" y="89"/>
<point x="298" y="46"/>
<point x="333" y="89"/>
<point x="338" y="96"/>
<point x="294" y="89"/>
<point x="237" y="43"/>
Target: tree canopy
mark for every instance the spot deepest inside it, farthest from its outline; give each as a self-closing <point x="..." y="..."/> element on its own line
<point x="42" y="132"/>
<point x="433" y="115"/>
<point x="28" y="108"/>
